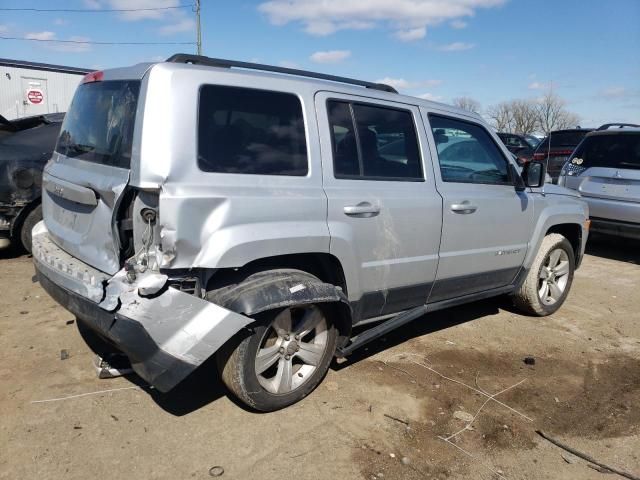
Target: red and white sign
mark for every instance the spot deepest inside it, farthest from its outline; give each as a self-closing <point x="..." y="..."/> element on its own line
<point x="35" y="96"/>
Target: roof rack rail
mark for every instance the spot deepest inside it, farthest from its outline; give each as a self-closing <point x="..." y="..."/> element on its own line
<point x="607" y="126"/>
<point x="219" y="62"/>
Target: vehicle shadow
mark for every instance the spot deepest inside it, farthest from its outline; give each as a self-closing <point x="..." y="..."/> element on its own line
<point x="12" y="251"/>
<point x="429" y="323"/>
<point x="199" y="389"/>
<point x="204" y="386"/>
<point x="614" y="248"/>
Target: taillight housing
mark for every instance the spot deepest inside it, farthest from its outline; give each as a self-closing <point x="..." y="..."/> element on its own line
<point x="93" y="77"/>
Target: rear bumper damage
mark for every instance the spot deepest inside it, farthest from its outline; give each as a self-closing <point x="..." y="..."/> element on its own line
<point x="166" y="336"/>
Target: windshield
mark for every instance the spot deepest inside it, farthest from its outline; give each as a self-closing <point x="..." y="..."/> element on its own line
<point x="612" y="151"/>
<point x="99" y="125"/>
<point x="532" y="141"/>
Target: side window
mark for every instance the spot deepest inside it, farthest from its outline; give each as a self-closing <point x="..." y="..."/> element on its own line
<point x="373" y="142"/>
<point x="242" y="130"/>
<point x="467" y="153"/>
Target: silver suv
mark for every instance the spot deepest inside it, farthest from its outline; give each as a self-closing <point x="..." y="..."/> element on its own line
<point x="200" y="207"/>
<point x="605" y="169"/>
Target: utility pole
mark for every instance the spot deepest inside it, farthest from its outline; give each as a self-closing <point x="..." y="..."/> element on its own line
<point x="198" y="29"/>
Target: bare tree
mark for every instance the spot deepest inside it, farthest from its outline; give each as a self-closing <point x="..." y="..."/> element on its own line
<point x="552" y="114"/>
<point x="467" y="103"/>
<point x="501" y="117"/>
<point x="524" y="115"/>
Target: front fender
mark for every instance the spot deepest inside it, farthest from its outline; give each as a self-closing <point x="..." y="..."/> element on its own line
<point x="554" y="210"/>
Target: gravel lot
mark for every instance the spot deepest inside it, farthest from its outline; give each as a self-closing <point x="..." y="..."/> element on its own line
<point x="384" y="413"/>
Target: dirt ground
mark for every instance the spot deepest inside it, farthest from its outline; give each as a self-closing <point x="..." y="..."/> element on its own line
<point x="396" y="410"/>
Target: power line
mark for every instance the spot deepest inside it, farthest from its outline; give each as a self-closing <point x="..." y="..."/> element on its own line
<point x="87" y="42"/>
<point x="105" y="10"/>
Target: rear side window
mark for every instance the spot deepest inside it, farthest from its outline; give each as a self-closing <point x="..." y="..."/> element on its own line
<point x="242" y="130"/>
<point x="373" y="142"/>
<point x="98" y="127"/>
<point x="467" y="153"/>
<point x="612" y="151"/>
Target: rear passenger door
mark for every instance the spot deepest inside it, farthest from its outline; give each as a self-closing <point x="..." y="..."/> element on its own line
<point x="486" y="221"/>
<point x="384" y="214"/>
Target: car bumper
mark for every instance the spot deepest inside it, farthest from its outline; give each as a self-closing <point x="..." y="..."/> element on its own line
<point x="166" y="337"/>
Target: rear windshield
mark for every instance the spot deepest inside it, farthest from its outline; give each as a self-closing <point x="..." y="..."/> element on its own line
<point x="563" y="139"/>
<point x="99" y="124"/>
<point x="613" y="151"/>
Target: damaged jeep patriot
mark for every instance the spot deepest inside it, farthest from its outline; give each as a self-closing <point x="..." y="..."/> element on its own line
<point x="202" y="208"/>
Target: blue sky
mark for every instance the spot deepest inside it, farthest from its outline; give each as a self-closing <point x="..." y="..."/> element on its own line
<point x="490" y="50"/>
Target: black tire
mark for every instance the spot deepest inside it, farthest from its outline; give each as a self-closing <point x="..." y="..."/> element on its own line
<point x="33" y="217"/>
<point x="528" y="297"/>
<point x="237" y="362"/>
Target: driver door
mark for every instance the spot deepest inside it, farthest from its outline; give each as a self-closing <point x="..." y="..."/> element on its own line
<point x="486" y="222"/>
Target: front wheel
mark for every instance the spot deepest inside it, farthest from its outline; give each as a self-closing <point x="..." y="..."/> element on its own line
<point x="548" y="282"/>
<point x="283" y="359"/>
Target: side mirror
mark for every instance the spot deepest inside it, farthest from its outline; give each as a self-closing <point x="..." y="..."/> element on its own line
<point x="533" y="174"/>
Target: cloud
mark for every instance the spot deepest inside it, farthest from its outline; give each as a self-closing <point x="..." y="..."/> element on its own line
<point x="402" y="84"/>
<point x="40" y="36"/>
<point x="411" y="34"/>
<point x="430" y="96"/>
<point x="330" y="56"/>
<point x="4" y="29"/>
<point x="407" y="18"/>
<point x="458" y="24"/>
<point x="60" y="22"/>
<point x="614" y="92"/>
<point x="145" y="4"/>
<point x="456" y="47"/>
<point x="184" y="25"/>
<point x="60" y="47"/>
<point x="538" y="86"/>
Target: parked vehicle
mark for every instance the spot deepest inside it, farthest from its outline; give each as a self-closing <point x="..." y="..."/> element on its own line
<point x="25" y="146"/>
<point x="522" y="146"/>
<point x="605" y="169"/>
<point x="193" y="209"/>
<point x="563" y="142"/>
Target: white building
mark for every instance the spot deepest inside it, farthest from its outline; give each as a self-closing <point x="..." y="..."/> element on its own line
<point x="28" y="88"/>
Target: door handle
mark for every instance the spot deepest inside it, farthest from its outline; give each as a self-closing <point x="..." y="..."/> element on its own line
<point x="464" y="207"/>
<point x="363" y="209"/>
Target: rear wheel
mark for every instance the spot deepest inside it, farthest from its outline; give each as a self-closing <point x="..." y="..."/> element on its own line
<point x="549" y="280"/>
<point x="33" y="217"/>
<point x="283" y="360"/>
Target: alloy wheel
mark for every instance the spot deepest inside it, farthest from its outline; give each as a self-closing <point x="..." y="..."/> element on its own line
<point x="553" y="277"/>
<point x="291" y="349"/>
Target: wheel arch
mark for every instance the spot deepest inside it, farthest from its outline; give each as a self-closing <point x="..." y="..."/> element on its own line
<point x="278" y="282"/>
<point x="573" y="233"/>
